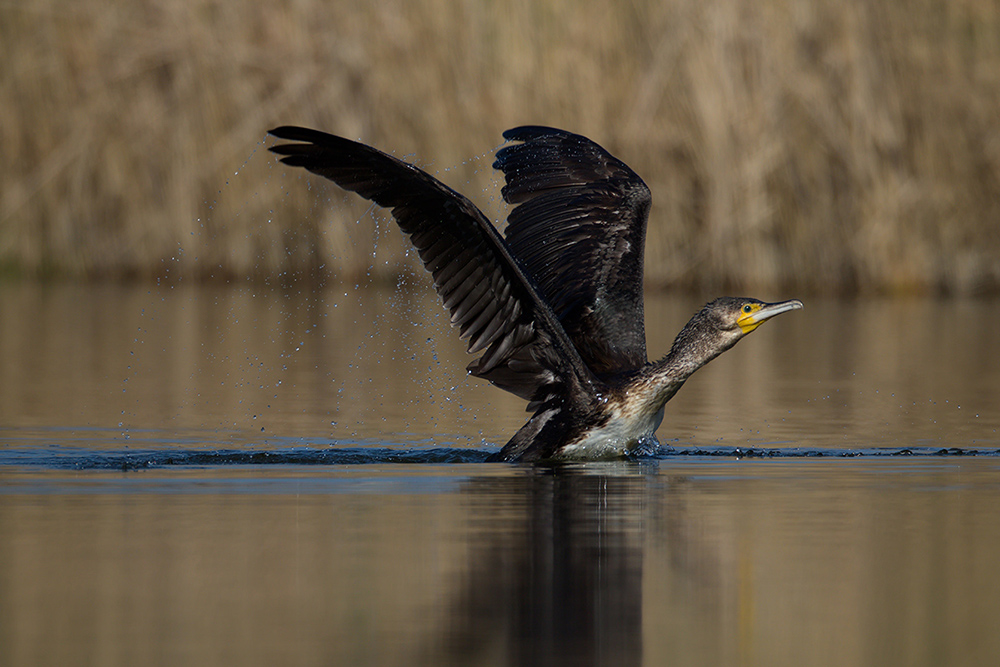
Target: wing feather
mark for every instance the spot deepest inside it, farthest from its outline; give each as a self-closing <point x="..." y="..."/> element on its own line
<point x="578" y="228"/>
<point x="491" y="300"/>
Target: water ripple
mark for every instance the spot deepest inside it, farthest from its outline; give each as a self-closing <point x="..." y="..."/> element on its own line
<point x="141" y="459"/>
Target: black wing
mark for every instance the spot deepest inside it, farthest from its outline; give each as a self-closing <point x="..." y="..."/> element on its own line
<point x="491" y="301"/>
<point x="579" y="229"/>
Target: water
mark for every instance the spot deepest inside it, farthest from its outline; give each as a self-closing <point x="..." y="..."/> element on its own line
<point x="266" y="476"/>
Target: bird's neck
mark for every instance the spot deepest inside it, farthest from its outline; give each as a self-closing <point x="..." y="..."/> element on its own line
<point x="658" y="381"/>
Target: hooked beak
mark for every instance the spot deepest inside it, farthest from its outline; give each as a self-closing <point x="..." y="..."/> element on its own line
<point x="751" y="321"/>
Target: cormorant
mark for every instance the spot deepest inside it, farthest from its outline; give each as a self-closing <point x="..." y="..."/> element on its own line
<point x="554" y="305"/>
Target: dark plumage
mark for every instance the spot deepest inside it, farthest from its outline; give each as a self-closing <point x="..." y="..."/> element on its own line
<point x="554" y="307"/>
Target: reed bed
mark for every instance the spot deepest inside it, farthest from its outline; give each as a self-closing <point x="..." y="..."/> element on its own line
<point x="829" y="145"/>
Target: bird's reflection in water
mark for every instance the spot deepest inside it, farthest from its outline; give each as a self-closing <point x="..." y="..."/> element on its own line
<point x="559" y="581"/>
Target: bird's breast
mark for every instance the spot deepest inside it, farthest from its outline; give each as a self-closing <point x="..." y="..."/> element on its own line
<point x="625" y="432"/>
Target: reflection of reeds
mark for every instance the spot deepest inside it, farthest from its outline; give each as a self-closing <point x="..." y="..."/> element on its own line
<point x="829" y="145"/>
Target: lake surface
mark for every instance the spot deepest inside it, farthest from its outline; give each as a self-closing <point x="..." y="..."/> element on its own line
<point x="254" y="475"/>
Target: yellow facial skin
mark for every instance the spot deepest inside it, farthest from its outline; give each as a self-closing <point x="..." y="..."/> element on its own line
<point x="747" y="320"/>
<point x="753" y="314"/>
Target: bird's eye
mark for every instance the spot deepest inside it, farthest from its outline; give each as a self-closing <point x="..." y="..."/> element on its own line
<point x="747" y="308"/>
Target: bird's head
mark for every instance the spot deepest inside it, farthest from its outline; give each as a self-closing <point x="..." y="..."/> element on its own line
<point x="721" y="324"/>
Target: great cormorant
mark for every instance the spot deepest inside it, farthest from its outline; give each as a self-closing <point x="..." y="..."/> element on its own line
<point x="554" y="305"/>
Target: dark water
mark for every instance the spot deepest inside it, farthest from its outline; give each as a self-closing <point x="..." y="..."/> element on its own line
<point x="256" y="476"/>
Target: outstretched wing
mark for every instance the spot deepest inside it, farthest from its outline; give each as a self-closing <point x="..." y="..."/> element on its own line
<point x="491" y="301"/>
<point x="579" y="228"/>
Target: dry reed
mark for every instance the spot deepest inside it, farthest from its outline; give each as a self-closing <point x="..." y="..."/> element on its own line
<point x="824" y="145"/>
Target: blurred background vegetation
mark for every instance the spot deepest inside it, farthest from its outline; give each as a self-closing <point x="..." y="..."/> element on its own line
<point x="823" y="145"/>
